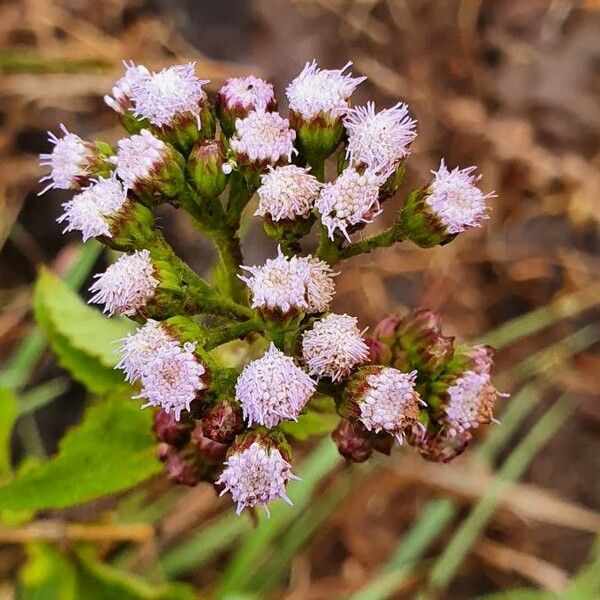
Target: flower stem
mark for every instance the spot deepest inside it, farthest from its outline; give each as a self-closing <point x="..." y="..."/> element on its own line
<point x="386" y="238"/>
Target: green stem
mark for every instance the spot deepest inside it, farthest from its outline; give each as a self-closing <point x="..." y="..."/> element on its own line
<point x="386" y="238"/>
<point x="230" y="258"/>
<point x="222" y="335"/>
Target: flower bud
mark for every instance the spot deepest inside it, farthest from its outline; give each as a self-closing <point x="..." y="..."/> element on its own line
<point x="385" y="330"/>
<point x="181" y="467"/>
<point x="438" y="444"/>
<point x="382" y="399"/>
<point x="222" y="421"/>
<point x="207" y="449"/>
<point x="150" y="167"/>
<point x="74" y="162"/>
<point x="353" y="441"/>
<point x="379" y="353"/>
<point x="239" y="97"/>
<point x="167" y="429"/>
<point x="205" y="168"/>
<point x="257" y="471"/>
<point x="163" y="451"/>
<point x="318" y="99"/>
<point x="450" y="204"/>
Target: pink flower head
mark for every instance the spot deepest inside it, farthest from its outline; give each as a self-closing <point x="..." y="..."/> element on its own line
<point x="379" y="140"/>
<point x="470" y="402"/>
<point x="120" y="101"/>
<point x="390" y="402"/>
<point x="272" y="389"/>
<point x="247" y="94"/>
<point x="162" y="97"/>
<point x="287" y="193"/>
<point x="255" y="476"/>
<point x="263" y="137"/>
<point x="70" y="161"/>
<point x="90" y="210"/>
<point x="126" y="286"/>
<point x="456" y="200"/>
<point x="172" y="378"/>
<point x="321" y="91"/>
<point x="333" y="347"/>
<point x="351" y="199"/>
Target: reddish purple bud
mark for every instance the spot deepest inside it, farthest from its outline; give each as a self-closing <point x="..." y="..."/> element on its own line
<point x="223" y="421"/>
<point x="438" y="445"/>
<point x="385" y="330"/>
<point x="206" y="448"/>
<point x="379" y="353"/>
<point x="167" y="429"/>
<point x="163" y="451"/>
<point x="181" y="468"/>
<point x="354" y="442"/>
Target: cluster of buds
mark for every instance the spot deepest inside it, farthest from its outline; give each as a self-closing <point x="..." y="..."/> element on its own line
<point x="209" y="156"/>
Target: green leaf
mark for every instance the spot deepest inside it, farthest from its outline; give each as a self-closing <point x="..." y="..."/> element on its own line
<point x="51" y="575"/>
<point x="8" y="416"/>
<point x="310" y="424"/>
<point x="111" y="450"/>
<point x="82" y="338"/>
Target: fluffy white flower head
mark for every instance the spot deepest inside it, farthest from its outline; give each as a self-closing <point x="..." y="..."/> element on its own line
<point x="69" y="161"/>
<point x="381" y="139"/>
<point x="248" y="93"/>
<point x="138" y="156"/>
<point x="471" y="400"/>
<point x="317" y="91"/>
<point x="349" y="200"/>
<point x="120" y="100"/>
<point x="272" y="389"/>
<point x="390" y="402"/>
<point x="287" y="192"/>
<point x="167" y="94"/>
<point x="90" y="210"/>
<point x="255" y="476"/>
<point x="127" y="285"/>
<point x="172" y="378"/>
<point x="286" y="284"/>
<point x="279" y="284"/>
<point x="139" y="348"/>
<point x="456" y="200"/>
<point x="333" y="347"/>
<point x="264" y="137"/>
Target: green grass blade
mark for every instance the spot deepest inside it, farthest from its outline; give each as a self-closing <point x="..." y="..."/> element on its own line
<point x="515" y="465"/>
<point x="434" y="518"/>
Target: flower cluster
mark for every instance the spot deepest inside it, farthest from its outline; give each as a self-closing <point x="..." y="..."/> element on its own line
<point x="209" y="155"/>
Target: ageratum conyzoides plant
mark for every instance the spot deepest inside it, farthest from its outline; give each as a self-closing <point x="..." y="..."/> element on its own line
<point x="209" y="156"/>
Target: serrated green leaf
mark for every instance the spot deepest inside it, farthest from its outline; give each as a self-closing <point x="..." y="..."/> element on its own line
<point x="8" y="416"/>
<point x="85" y="360"/>
<point x="111" y="450"/>
<point x="85" y="328"/>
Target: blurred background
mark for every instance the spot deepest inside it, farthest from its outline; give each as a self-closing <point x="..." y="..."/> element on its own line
<point x="512" y="87"/>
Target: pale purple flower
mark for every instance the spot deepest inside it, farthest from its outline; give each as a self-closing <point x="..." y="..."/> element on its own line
<point x="379" y="140"/>
<point x="315" y="91"/>
<point x="120" y="101"/>
<point x="470" y="402"/>
<point x="127" y="285"/>
<point x="139" y="348"/>
<point x="287" y="193"/>
<point x="247" y="93"/>
<point x="333" y="347"/>
<point x="138" y="157"/>
<point x="90" y="210"/>
<point x="172" y="378"/>
<point x="455" y="199"/>
<point x="286" y="284"/>
<point x="351" y="199"/>
<point x="163" y="96"/>
<point x="263" y="137"/>
<point x="390" y="402"/>
<point x="272" y="389"/>
<point x="69" y="161"/>
<point x="279" y="284"/>
<point x="255" y="476"/>
<point x="320" y="287"/>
